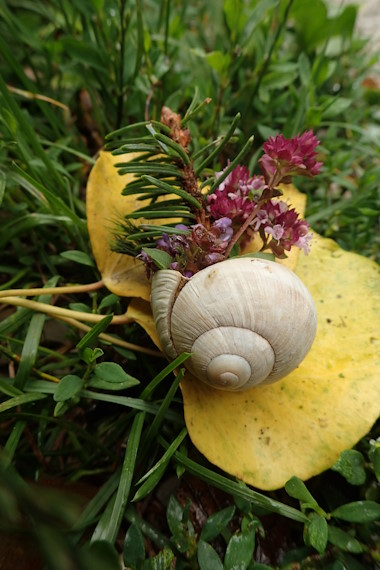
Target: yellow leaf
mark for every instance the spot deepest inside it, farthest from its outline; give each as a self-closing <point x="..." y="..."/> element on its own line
<point x="106" y="206"/>
<point x="140" y="311"/>
<point x="300" y="425"/>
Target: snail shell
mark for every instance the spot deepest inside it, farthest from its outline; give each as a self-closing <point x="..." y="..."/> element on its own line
<point x="246" y="321"/>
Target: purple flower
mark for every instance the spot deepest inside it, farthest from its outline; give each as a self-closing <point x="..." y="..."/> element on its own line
<point x="198" y="248"/>
<point x="173" y="243"/>
<point x="285" y="158"/>
<point x="215" y="239"/>
<point x="235" y="197"/>
<point x="224" y="225"/>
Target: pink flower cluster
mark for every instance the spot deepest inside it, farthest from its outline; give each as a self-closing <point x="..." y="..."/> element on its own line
<point x="235" y="197"/>
<point x="285" y="158"/>
<point x="284" y="227"/>
<point x="244" y="204"/>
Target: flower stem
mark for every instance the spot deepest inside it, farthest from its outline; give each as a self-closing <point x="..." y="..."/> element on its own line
<point x="111" y="339"/>
<point x="60" y="311"/>
<point x="52" y="290"/>
<point x="242" y="229"/>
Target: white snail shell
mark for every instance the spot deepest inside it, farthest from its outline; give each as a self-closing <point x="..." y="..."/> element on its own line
<point x="246" y="321"/>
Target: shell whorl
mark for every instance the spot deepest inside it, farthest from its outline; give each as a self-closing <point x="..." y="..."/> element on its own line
<point x="231" y="358"/>
<point x="246" y="321"/>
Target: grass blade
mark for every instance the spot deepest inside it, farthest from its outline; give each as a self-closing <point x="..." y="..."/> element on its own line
<point x="92" y="509"/>
<point x="232" y="165"/>
<point x="155" y="474"/>
<point x="20" y="400"/>
<point x="32" y="341"/>
<point x="111" y="526"/>
<point x="13" y="440"/>
<point x="162" y="412"/>
<point x="231" y="487"/>
<point x="220" y="146"/>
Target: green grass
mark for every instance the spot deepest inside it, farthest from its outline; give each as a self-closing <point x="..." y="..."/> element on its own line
<point x="71" y="72"/>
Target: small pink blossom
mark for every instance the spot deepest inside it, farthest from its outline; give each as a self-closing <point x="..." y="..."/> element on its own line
<point x="285" y="158"/>
<point x="235" y="197"/>
<point x="286" y="229"/>
<point x="277" y="231"/>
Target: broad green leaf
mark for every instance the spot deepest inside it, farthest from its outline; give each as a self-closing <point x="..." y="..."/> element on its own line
<point x="78" y="257"/>
<point x="113" y="373"/>
<point x="278" y="80"/>
<point x="304" y="69"/>
<point x="216" y="523"/>
<point x="80" y="307"/>
<point x="337" y="105"/>
<point x="108" y="301"/>
<point x="351" y="466"/>
<point x="68" y="387"/>
<point x="219" y="61"/>
<point x="235" y="16"/>
<point x="61" y="408"/>
<point x="161" y="258"/>
<point x="134" y="547"/>
<point x="298" y="490"/>
<point x="311" y="24"/>
<point x="174" y="515"/>
<point x="368" y="211"/>
<point x="163" y="560"/>
<point x="317" y="532"/>
<point x="239" y="550"/>
<point x="100" y="384"/>
<point x="208" y="558"/>
<point x="358" y="511"/>
<point x="344" y="540"/>
<point x="89" y="355"/>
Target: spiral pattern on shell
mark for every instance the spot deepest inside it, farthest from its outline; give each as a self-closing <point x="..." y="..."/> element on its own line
<point x="246" y="321"/>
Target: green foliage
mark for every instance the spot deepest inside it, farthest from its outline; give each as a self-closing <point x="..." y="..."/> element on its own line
<point x="351" y="465"/>
<point x="81" y="408"/>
